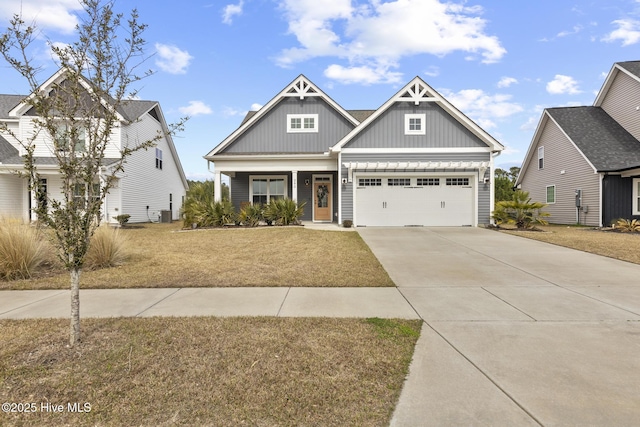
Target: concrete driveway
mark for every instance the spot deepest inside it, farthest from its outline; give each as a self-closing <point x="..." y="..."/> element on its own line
<point x="517" y="332"/>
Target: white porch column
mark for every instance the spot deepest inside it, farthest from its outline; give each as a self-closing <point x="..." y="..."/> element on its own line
<point x="217" y="186"/>
<point x="294" y="186"/>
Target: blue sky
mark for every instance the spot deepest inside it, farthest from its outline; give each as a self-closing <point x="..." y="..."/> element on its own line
<point x="500" y="62"/>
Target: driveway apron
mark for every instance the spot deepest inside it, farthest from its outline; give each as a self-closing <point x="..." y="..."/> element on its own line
<point x="516" y="332"/>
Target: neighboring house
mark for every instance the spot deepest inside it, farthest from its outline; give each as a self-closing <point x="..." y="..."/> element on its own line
<point x="585" y="161"/>
<point x="416" y="160"/>
<point x="153" y="180"/>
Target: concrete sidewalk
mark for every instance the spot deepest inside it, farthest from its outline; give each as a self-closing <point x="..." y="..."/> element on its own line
<point x="283" y="302"/>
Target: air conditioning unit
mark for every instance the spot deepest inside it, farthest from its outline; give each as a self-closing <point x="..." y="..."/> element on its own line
<point x="165" y="217"/>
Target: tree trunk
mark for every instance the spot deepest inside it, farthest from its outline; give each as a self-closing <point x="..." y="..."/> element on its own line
<point x="75" y="307"/>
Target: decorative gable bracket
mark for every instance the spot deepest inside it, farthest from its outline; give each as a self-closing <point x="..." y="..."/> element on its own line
<point x="414" y="167"/>
<point x="417" y="92"/>
<point x="301" y="87"/>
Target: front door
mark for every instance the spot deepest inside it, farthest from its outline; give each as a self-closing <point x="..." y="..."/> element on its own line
<point x="322" y="199"/>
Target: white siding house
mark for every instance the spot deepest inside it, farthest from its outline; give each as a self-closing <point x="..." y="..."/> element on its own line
<point x="152" y="181"/>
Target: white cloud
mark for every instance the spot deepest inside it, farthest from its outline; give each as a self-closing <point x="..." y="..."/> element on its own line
<point x="374" y="37"/>
<point x="232" y="112"/>
<point x="483" y="108"/>
<point x="255" y="107"/>
<point x="171" y="59"/>
<point x="561" y="85"/>
<point x="507" y="81"/>
<point x="195" y="108"/>
<point x="432" y="71"/>
<point x="363" y="75"/>
<point x="575" y="30"/>
<point x="628" y="31"/>
<point x="57" y="15"/>
<point x="230" y="11"/>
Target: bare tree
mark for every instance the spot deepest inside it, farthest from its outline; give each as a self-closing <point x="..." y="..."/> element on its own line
<point x="79" y="112"/>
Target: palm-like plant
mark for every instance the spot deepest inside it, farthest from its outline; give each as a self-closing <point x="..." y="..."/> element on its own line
<point x="251" y="215"/>
<point x="283" y="211"/>
<point x="521" y="211"/>
<point x="626" y="225"/>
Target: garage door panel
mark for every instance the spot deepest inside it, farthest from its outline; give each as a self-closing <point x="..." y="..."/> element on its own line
<point x="386" y="200"/>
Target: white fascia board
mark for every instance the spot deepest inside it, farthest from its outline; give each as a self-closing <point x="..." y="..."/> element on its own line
<point x="276" y="165"/>
<point x="606" y="85"/>
<point x="416" y="150"/>
<point x="629" y="173"/>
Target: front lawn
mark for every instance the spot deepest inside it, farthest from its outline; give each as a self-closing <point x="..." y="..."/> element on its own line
<point x="162" y="255"/>
<point x="622" y="246"/>
<point x="206" y="371"/>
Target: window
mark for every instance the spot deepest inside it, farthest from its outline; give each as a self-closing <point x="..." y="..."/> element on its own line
<point x="370" y="182"/>
<point x="80" y="194"/>
<point x="635" y="204"/>
<point x="414" y="124"/>
<point x="402" y="182"/>
<point x="551" y="194"/>
<point x="158" y="158"/>
<point x="65" y="135"/>
<point x="302" y="123"/>
<point x="264" y="189"/>
<point x="540" y="157"/>
<point x="428" y="181"/>
<point x="457" y="181"/>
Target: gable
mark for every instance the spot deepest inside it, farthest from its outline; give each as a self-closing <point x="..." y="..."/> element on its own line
<point x="441" y="130"/>
<point x="269" y="133"/>
<point x="620" y="102"/>
<point x="419" y="95"/>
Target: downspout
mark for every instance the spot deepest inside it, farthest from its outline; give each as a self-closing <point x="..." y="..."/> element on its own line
<point x="601" y="199"/>
<point x="492" y="189"/>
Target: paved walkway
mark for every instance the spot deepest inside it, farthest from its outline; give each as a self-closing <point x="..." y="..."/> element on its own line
<point x="516" y="332"/>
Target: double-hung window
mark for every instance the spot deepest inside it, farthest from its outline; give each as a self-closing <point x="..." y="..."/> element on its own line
<point x="551" y="194"/>
<point x="540" y="157"/>
<point x="68" y="137"/>
<point x="414" y="124"/>
<point x="266" y="188"/>
<point x="158" y="158"/>
<point x="301" y="123"/>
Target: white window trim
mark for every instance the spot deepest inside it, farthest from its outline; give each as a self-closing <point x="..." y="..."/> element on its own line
<point x="540" y="156"/>
<point x="268" y="177"/>
<point x="636" y="196"/>
<point x="555" y="195"/>
<point x="423" y="127"/>
<point x="314" y="129"/>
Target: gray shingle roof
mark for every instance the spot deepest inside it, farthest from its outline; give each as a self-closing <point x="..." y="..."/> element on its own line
<point x="631" y="66"/>
<point x="607" y="145"/>
<point x="6" y="150"/>
<point x="7" y="102"/>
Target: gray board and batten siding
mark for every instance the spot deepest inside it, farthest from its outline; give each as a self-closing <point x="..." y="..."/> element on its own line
<point x="269" y="134"/>
<point x="442" y="130"/>
<point x="617" y="201"/>
<point x="240" y="190"/>
<point x="484" y="193"/>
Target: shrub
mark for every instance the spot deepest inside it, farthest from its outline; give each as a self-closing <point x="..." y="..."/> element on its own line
<point x="21" y="249"/>
<point x="626" y="225"/>
<point x="107" y="248"/>
<point x="283" y="212"/>
<point x="222" y="213"/>
<point x="521" y="211"/>
<point x="347" y="223"/>
<point x="251" y="215"/>
<point x="197" y="203"/>
<point x="122" y="219"/>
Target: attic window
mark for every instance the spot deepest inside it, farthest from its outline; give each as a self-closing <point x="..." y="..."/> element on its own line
<point x="414" y="124"/>
<point x="540" y="157"/>
<point x="158" y="158"/>
<point x="297" y="123"/>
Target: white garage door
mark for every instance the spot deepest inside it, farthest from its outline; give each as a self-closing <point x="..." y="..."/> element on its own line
<point x="410" y="201"/>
